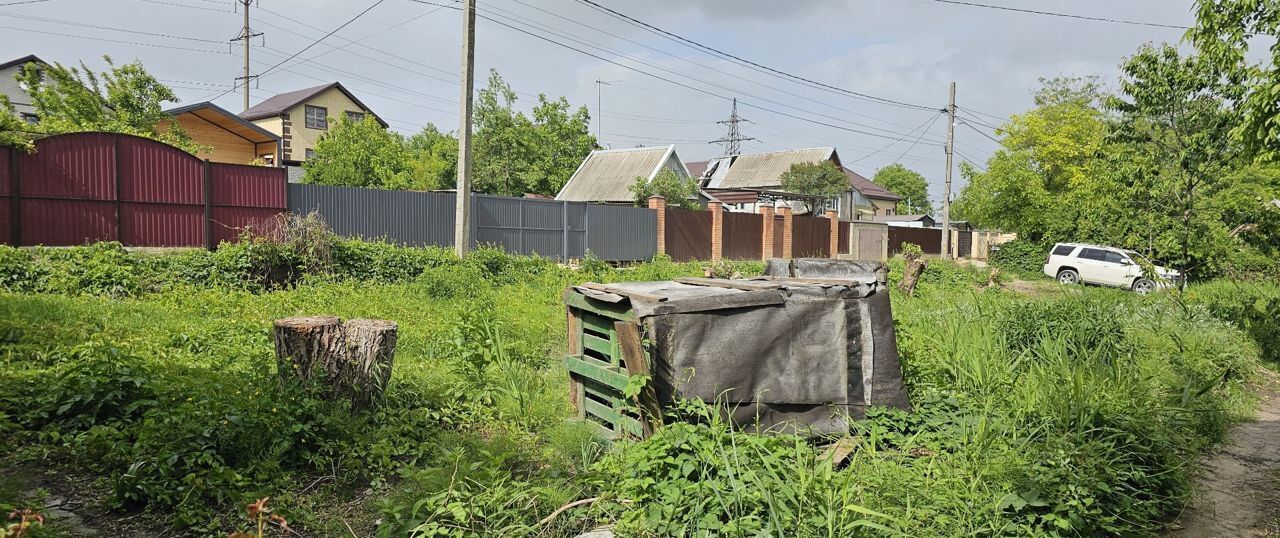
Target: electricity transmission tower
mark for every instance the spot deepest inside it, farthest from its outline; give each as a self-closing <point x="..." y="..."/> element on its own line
<point x="733" y="140"/>
<point x="246" y="34"/>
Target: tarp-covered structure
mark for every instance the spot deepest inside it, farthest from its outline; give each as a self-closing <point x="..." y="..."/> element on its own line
<point x="801" y="349"/>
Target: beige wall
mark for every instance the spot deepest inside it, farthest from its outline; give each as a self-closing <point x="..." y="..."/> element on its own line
<point x="221" y="145"/>
<point x="884" y="207"/>
<point x="300" y="137"/>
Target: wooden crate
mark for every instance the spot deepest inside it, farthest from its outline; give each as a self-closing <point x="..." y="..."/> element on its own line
<point x="597" y="372"/>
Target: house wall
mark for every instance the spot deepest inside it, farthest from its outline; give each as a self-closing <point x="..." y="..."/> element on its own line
<point x="884" y="207"/>
<point x="223" y="146"/>
<point x="302" y="138"/>
<point x="9" y="86"/>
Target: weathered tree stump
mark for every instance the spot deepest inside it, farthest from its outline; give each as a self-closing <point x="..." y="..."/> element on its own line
<point x="993" y="278"/>
<point x="349" y="360"/>
<point x="911" y="273"/>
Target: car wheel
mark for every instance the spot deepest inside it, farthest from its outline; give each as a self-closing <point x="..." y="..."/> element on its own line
<point x="1068" y="277"/>
<point x="1143" y="286"/>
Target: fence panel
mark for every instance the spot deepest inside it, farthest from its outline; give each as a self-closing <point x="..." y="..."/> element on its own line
<point x="161" y="195"/>
<point x="415" y="219"/>
<point x="964" y="244"/>
<point x="8" y="158"/>
<point x="688" y="234"/>
<point x="743" y="233"/>
<point x="843" y="235"/>
<point x="243" y="196"/>
<point x="929" y="239"/>
<point x="623" y="233"/>
<point x="576" y="233"/>
<point x="67" y="191"/>
<point x="810" y="237"/>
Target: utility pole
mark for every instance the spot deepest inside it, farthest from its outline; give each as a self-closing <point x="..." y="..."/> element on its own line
<point x="946" y="189"/>
<point x="462" y="221"/>
<point x="245" y="35"/>
<point x="734" y="139"/>
<point x="600" y="84"/>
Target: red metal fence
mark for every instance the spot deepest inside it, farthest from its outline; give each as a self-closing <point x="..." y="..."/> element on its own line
<point x="688" y="234"/>
<point x="810" y="237"/>
<point x="742" y="235"/>
<point x="84" y="187"/>
<point x="928" y="239"/>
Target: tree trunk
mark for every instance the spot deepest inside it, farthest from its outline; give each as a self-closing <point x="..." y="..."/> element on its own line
<point x="911" y="274"/>
<point x="349" y="360"/>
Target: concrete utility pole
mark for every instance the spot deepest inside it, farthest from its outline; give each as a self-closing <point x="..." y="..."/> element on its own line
<point x="462" y="222"/>
<point x="946" y="189"/>
<point x="245" y="35"/>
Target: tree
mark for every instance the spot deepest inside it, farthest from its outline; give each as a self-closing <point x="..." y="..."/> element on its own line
<point x="908" y="184"/>
<point x="123" y="99"/>
<point x="361" y="154"/>
<point x="822" y="179"/>
<point x="13" y="131"/>
<point x="433" y="158"/>
<point x="1223" y="33"/>
<point x="667" y="184"/>
<point x="515" y="154"/>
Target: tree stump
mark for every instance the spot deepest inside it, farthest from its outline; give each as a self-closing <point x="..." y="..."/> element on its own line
<point x="349" y="360"/>
<point x="911" y="273"/>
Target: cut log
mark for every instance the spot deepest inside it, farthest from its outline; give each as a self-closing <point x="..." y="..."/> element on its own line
<point x="349" y="360"/>
<point x="366" y="367"/>
<point x="911" y="274"/>
<point x="309" y="347"/>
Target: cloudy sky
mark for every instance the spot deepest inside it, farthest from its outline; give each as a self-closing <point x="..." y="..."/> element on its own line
<point x="402" y="59"/>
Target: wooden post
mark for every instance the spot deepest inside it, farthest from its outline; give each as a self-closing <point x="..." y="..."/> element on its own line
<point x="637" y="363"/>
<point x="717" y="230"/>
<point x="573" y="326"/>
<point x="766" y="241"/>
<point x="835" y="232"/>
<point x="787" y="230"/>
<point x="350" y="360"/>
<point x="659" y="204"/>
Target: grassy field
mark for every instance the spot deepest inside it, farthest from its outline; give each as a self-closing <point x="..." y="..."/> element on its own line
<point x="149" y="382"/>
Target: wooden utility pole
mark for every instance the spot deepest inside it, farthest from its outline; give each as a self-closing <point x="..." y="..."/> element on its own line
<point x="245" y="35"/>
<point x="462" y="222"/>
<point x="946" y="189"/>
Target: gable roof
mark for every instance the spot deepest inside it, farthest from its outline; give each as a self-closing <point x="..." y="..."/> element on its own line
<point x="758" y="170"/>
<point x="281" y="103"/>
<point x="606" y="174"/>
<point x="869" y="188"/>
<point x="23" y="60"/>
<point x="697" y="168"/>
<point x="226" y="120"/>
<point x="902" y="218"/>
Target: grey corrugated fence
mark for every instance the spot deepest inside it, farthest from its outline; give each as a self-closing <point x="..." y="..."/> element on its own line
<point x="528" y="226"/>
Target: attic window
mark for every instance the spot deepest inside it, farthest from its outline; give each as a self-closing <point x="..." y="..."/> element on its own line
<point x="317" y="117"/>
<point x="355" y="117"/>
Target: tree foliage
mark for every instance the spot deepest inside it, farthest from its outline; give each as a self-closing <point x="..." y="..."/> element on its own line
<point x="433" y="158"/>
<point x="908" y="184"/>
<point x="667" y="184"/>
<point x="822" y="179"/>
<point x="1224" y="31"/>
<point x="361" y="154"/>
<point x="123" y="99"/>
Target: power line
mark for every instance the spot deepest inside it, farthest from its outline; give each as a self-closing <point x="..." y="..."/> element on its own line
<point x="110" y="28"/>
<point x="1065" y="15"/>
<point x="929" y="121"/>
<point x="108" y="40"/>
<point x="980" y="131"/>
<point x="917" y="141"/>
<point x="176" y="4"/>
<point x="22" y="2"/>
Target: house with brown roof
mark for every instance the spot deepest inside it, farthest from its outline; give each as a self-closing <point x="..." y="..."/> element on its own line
<point x="301" y="117"/>
<point x="225" y="136"/>
<point x="606" y="175"/>
<point x="14" y="90"/>
<point x="748" y="181"/>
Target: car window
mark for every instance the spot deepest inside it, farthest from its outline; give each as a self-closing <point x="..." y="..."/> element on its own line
<point x="1092" y="254"/>
<point x="1063" y="250"/>
<point x="1114" y="257"/>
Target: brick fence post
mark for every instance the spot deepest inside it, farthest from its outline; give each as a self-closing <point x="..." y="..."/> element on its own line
<point x="835" y="232"/>
<point x="717" y="230"/>
<point x="659" y="204"/>
<point x="787" y="231"/>
<point x="766" y="240"/>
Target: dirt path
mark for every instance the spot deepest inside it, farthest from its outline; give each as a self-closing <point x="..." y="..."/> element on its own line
<point x="1238" y="491"/>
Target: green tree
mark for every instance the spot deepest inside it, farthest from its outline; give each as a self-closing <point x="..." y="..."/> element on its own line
<point x="908" y="184"/>
<point x="13" y="131"/>
<point x="515" y="154"/>
<point x="1224" y="31"/>
<point x="667" y="184"/>
<point x="123" y="99"/>
<point x="433" y="158"/>
<point x="823" y="179"/>
<point x="361" y="154"/>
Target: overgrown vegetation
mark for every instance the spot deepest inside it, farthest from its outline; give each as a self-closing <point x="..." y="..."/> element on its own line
<point x="1074" y="414"/>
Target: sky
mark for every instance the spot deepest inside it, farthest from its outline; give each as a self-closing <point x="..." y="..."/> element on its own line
<point x="841" y="62"/>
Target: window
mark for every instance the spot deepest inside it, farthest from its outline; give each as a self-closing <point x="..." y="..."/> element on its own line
<point x="269" y="158"/>
<point x="310" y="153"/>
<point x="31" y="119"/>
<point x="317" y="117"/>
<point x="1063" y="250"/>
<point x="356" y="117"/>
<point x="1114" y="257"/>
<point x="1092" y="254"/>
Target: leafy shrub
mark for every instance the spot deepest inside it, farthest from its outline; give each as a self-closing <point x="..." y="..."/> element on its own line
<point x="1020" y="256"/>
<point x="96" y="385"/>
<point x="1252" y="306"/>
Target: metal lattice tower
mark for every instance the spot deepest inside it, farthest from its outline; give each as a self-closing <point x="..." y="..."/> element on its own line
<point x="733" y="140"/>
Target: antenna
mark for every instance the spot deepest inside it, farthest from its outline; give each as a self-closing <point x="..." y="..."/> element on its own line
<point x="600" y="84"/>
<point x="246" y="34"/>
<point x="734" y="139"/>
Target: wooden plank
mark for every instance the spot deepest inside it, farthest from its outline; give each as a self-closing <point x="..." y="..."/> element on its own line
<point x="608" y="310"/>
<point x="611" y="377"/>
<point x="814" y="281"/>
<point x="595" y="343"/>
<point x="624" y="292"/>
<point x="729" y="284"/>
<point x="637" y="363"/>
<point x="596" y="323"/>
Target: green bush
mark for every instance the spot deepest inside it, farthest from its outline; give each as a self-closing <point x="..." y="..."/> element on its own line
<point x="1252" y="306"/>
<point x="1020" y="256"/>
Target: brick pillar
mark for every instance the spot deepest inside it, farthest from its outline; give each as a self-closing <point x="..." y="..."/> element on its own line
<point x="785" y="211"/>
<point x="717" y="230"/>
<point x="766" y="241"/>
<point x="835" y="232"/>
<point x="659" y="204"/>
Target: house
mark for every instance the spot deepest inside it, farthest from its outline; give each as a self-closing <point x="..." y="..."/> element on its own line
<point x="907" y="221"/>
<point x="606" y="175"/>
<point x="300" y="117"/>
<point x="9" y="86"/>
<point x="228" y="137"/>
<point x="745" y="182"/>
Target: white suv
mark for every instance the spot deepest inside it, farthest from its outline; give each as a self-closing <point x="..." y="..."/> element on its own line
<point x="1074" y="263"/>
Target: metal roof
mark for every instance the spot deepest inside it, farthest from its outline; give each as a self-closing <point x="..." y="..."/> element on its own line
<point x="226" y="120"/>
<point x="901" y="218"/>
<point x="281" y="103"/>
<point x="869" y="188"/>
<point x="21" y="61"/>
<point x="605" y="175"/>
<point x="757" y="170"/>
